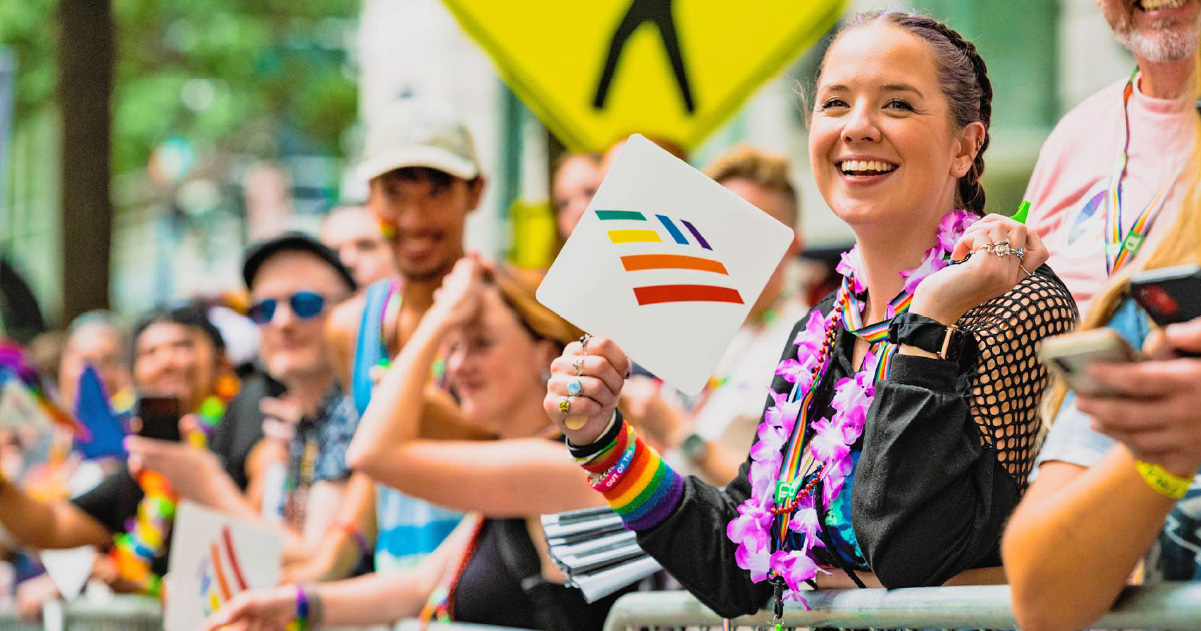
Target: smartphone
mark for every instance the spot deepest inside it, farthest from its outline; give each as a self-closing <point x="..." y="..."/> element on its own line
<point x="275" y="388"/>
<point x="1169" y="295"/>
<point x="156" y="417"/>
<point x="1070" y="355"/>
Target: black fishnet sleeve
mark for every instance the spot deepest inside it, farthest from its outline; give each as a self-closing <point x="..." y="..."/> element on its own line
<point x="1008" y="381"/>
<point x="947" y="446"/>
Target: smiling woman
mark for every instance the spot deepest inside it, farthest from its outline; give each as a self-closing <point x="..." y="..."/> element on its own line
<point x="903" y="416"/>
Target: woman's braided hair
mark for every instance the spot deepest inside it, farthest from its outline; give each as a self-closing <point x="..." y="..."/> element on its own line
<point x="964" y="80"/>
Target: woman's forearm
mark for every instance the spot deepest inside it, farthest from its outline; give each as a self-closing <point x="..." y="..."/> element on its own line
<point x="384" y="598"/>
<point x="377" y="598"/>
<point x="48" y="526"/>
<point x="1073" y="542"/>
<point x="394" y="415"/>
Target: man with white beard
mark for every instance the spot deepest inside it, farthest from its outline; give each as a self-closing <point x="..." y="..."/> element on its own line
<point x="1118" y="159"/>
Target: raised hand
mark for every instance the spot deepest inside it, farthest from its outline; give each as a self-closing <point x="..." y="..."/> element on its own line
<point x="584" y="388"/>
<point x="1156" y="416"/>
<point x="458" y="301"/>
<point x="993" y="267"/>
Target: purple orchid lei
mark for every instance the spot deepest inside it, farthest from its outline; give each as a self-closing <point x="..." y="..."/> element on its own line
<point x="830" y="446"/>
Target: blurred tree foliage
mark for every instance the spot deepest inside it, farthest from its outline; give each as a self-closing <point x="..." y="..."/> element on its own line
<point x="232" y="76"/>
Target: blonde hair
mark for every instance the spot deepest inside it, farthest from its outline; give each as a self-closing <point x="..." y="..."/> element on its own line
<point x="1181" y="246"/>
<point x="517" y="289"/>
<point x="763" y="169"/>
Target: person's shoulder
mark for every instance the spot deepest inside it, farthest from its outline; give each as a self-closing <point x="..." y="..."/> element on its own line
<point x="346" y="315"/>
<point x="1040" y="299"/>
<point x="1072" y="439"/>
<point x="1081" y="121"/>
<point x="1108" y="97"/>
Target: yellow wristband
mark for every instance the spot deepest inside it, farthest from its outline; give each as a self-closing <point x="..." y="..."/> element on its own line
<point x="1165" y="483"/>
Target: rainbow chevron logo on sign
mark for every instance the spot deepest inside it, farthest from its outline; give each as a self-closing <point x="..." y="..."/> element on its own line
<point x="220" y="573"/>
<point x="214" y="557"/>
<point x="646" y="232"/>
<point x="666" y="263"/>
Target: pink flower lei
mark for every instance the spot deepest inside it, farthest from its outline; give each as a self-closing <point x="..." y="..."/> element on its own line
<point x="829" y="449"/>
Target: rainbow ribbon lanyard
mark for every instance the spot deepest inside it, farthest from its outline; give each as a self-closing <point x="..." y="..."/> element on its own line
<point x="1119" y="248"/>
<point x="391" y="313"/>
<point x="798" y="463"/>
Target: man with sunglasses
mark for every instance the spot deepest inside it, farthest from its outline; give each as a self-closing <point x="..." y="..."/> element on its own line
<point x="294" y="283"/>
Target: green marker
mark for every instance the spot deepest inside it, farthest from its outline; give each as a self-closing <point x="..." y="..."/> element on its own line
<point x="1023" y="211"/>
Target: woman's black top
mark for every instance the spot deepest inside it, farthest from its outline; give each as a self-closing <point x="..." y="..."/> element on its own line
<point x="502" y="585"/>
<point x="945" y="453"/>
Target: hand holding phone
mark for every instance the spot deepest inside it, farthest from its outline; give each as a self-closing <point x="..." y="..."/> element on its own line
<point x="1070" y="355"/>
<point x="156" y="417"/>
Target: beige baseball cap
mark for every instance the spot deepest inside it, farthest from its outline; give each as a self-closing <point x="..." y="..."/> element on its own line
<point x="416" y="133"/>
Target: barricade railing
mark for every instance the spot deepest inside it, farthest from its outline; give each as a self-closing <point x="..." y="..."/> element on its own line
<point x="1167" y="606"/>
<point x="139" y="613"/>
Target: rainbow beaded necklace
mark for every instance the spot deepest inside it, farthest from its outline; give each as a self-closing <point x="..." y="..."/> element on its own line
<point x="135" y="550"/>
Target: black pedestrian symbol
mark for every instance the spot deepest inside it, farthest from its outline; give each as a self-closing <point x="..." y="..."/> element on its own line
<point x="658" y="13"/>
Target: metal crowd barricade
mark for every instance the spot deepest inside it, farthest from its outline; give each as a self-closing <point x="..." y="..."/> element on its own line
<point x="10" y="621"/>
<point x="122" y="613"/>
<point x="1168" y="606"/>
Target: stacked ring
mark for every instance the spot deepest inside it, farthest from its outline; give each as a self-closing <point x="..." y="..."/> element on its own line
<point x="574" y="388"/>
<point x="578" y="365"/>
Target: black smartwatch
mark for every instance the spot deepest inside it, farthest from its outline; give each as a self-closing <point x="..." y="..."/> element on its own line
<point x="927" y="334"/>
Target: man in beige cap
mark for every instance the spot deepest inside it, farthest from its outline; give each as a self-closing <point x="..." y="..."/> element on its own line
<point x="423" y="180"/>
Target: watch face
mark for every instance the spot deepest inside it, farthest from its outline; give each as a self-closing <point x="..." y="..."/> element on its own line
<point x="693" y="446"/>
<point x="953" y="344"/>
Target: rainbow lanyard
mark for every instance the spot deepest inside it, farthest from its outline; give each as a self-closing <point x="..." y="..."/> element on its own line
<point x="798" y="463"/>
<point x="391" y="313"/>
<point x="1119" y="248"/>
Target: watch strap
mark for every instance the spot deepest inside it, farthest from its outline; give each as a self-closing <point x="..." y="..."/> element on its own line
<point x="929" y="335"/>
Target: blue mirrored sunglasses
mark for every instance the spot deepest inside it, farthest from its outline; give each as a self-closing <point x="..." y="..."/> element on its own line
<point x="305" y="304"/>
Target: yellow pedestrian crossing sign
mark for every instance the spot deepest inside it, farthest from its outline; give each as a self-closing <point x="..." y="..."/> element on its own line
<point x="596" y="71"/>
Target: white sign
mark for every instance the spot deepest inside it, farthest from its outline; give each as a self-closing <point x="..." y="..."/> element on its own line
<point x="215" y="557"/>
<point x="667" y="263"/>
<point x="18" y="407"/>
<point x="69" y="569"/>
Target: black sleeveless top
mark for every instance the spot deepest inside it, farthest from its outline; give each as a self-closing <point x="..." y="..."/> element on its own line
<point x="503" y="585"/>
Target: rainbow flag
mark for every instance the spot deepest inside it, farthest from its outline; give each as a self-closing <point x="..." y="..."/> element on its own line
<point x="15" y="368"/>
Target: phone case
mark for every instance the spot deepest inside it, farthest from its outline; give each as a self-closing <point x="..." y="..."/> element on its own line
<point x="1169" y="295"/>
<point x="1070" y="355"/>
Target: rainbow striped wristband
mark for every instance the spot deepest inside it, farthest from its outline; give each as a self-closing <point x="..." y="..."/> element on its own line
<point x="635" y="480"/>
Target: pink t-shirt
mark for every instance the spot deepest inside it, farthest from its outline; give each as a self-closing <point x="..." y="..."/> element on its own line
<point x="1069" y="187"/>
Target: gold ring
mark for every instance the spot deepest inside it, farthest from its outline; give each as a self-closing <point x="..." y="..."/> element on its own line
<point x="565" y="406"/>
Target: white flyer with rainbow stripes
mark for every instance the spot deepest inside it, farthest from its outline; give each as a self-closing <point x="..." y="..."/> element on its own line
<point x="215" y="557"/>
<point x="667" y="263"/>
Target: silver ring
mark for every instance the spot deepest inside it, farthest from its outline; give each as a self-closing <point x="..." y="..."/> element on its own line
<point x="578" y="365"/>
<point x="574" y="388"/>
<point x="584" y="341"/>
<point x="1019" y="252"/>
